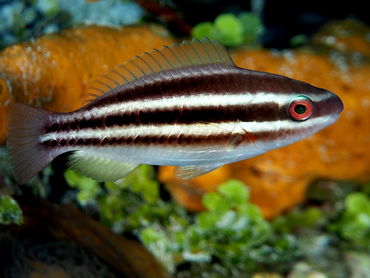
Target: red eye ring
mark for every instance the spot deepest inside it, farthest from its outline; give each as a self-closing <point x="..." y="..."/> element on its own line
<point x="301" y="109"/>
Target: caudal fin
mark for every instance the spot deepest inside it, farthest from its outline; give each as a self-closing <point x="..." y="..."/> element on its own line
<point x="26" y="156"/>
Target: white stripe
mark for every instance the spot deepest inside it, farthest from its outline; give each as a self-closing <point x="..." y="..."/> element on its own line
<point x="194" y="101"/>
<point x="178" y="129"/>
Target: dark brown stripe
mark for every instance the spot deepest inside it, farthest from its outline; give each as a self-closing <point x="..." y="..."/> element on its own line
<point x="180" y="140"/>
<point x="258" y="113"/>
<point x="220" y="79"/>
<point x="177" y="82"/>
<point x="163" y="140"/>
<point x="253" y="112"/>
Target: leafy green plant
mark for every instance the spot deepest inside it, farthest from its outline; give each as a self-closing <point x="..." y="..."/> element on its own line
<point x="10" y="212"/>
<point x="231" y="230"/>
<point x="231" y="30"/>
<point x="354" y="223"/>
<point x="117" y="201"/>
<point x="88" y="188"/>
<point x="297" y="218"/>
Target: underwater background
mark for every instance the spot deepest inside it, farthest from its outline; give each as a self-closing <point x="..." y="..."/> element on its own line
<point x="299" y="211"/>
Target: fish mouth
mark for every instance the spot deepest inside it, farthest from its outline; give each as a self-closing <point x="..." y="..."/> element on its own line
<point x="333" y="107"/>
<point x="334" y="118"/>
<point x="331" y="120"/>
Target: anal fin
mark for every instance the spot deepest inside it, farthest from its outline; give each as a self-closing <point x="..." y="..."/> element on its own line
<point x="100" y="168"/>
<point x="193" y="171"/>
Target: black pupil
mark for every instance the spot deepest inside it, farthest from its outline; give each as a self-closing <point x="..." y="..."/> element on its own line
<point x="300" y="109"/>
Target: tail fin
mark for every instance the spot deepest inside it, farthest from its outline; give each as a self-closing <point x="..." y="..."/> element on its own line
<point x="26" y="156"/>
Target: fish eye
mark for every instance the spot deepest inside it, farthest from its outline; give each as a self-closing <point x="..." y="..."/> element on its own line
<point x="301" y="108"/>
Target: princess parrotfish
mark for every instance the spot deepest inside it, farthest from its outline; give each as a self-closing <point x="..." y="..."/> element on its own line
<point x="187" y="105"/>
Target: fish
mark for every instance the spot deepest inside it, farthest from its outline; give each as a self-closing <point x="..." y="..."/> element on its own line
<point x="187" y="105"/>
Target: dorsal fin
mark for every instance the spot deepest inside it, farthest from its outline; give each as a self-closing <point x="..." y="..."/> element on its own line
<point x="176" y="56"/>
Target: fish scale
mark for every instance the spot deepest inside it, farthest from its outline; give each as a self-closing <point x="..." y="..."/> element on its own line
<point x="186" y="105"/>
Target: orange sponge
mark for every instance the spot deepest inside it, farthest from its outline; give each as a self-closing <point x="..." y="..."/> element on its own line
<point x="54" y="71"/>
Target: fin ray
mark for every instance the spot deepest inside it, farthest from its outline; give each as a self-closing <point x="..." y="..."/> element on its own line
<point x="191" y="53"/>
<point x="193" y="171"/>
<point x="99" y="168"/>
<point x="196" y="52"/>
<point x="233" y="138"/>
<point x="26" y="156"/>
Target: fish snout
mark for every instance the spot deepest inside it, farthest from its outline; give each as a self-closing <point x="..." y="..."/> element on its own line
<point x="335" y="105"/>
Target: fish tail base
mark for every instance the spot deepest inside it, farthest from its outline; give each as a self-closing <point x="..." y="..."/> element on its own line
<point x="26" y="155"/>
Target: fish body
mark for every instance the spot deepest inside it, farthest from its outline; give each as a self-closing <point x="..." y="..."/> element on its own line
<point x="186" y="105"/>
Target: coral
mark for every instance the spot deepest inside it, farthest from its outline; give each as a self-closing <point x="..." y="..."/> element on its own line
<point x="278" y="178"/>
<point x="54" y="71"/>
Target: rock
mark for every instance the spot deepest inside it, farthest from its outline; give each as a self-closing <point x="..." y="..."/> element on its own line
<point x="60" y="241"/>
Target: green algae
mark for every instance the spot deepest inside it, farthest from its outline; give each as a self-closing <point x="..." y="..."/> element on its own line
<point x="353" y="225"/>
<point x="88" y="189"/>
<point x="10" y="212"/>
<point x="231" y="237"/>
<point x="143" y="180"/>
<point x="116" y="201"/>
<point x="140" y="180"/>
<point x="296" y="218"/>
<point x="231" y="230"/>
<point x="231" y="30"/>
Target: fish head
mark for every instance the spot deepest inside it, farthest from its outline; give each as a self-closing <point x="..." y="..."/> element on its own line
<point x="301" y="110"/>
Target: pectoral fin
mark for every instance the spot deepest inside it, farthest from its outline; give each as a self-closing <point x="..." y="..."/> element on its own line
<point x="232" y="138"/>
